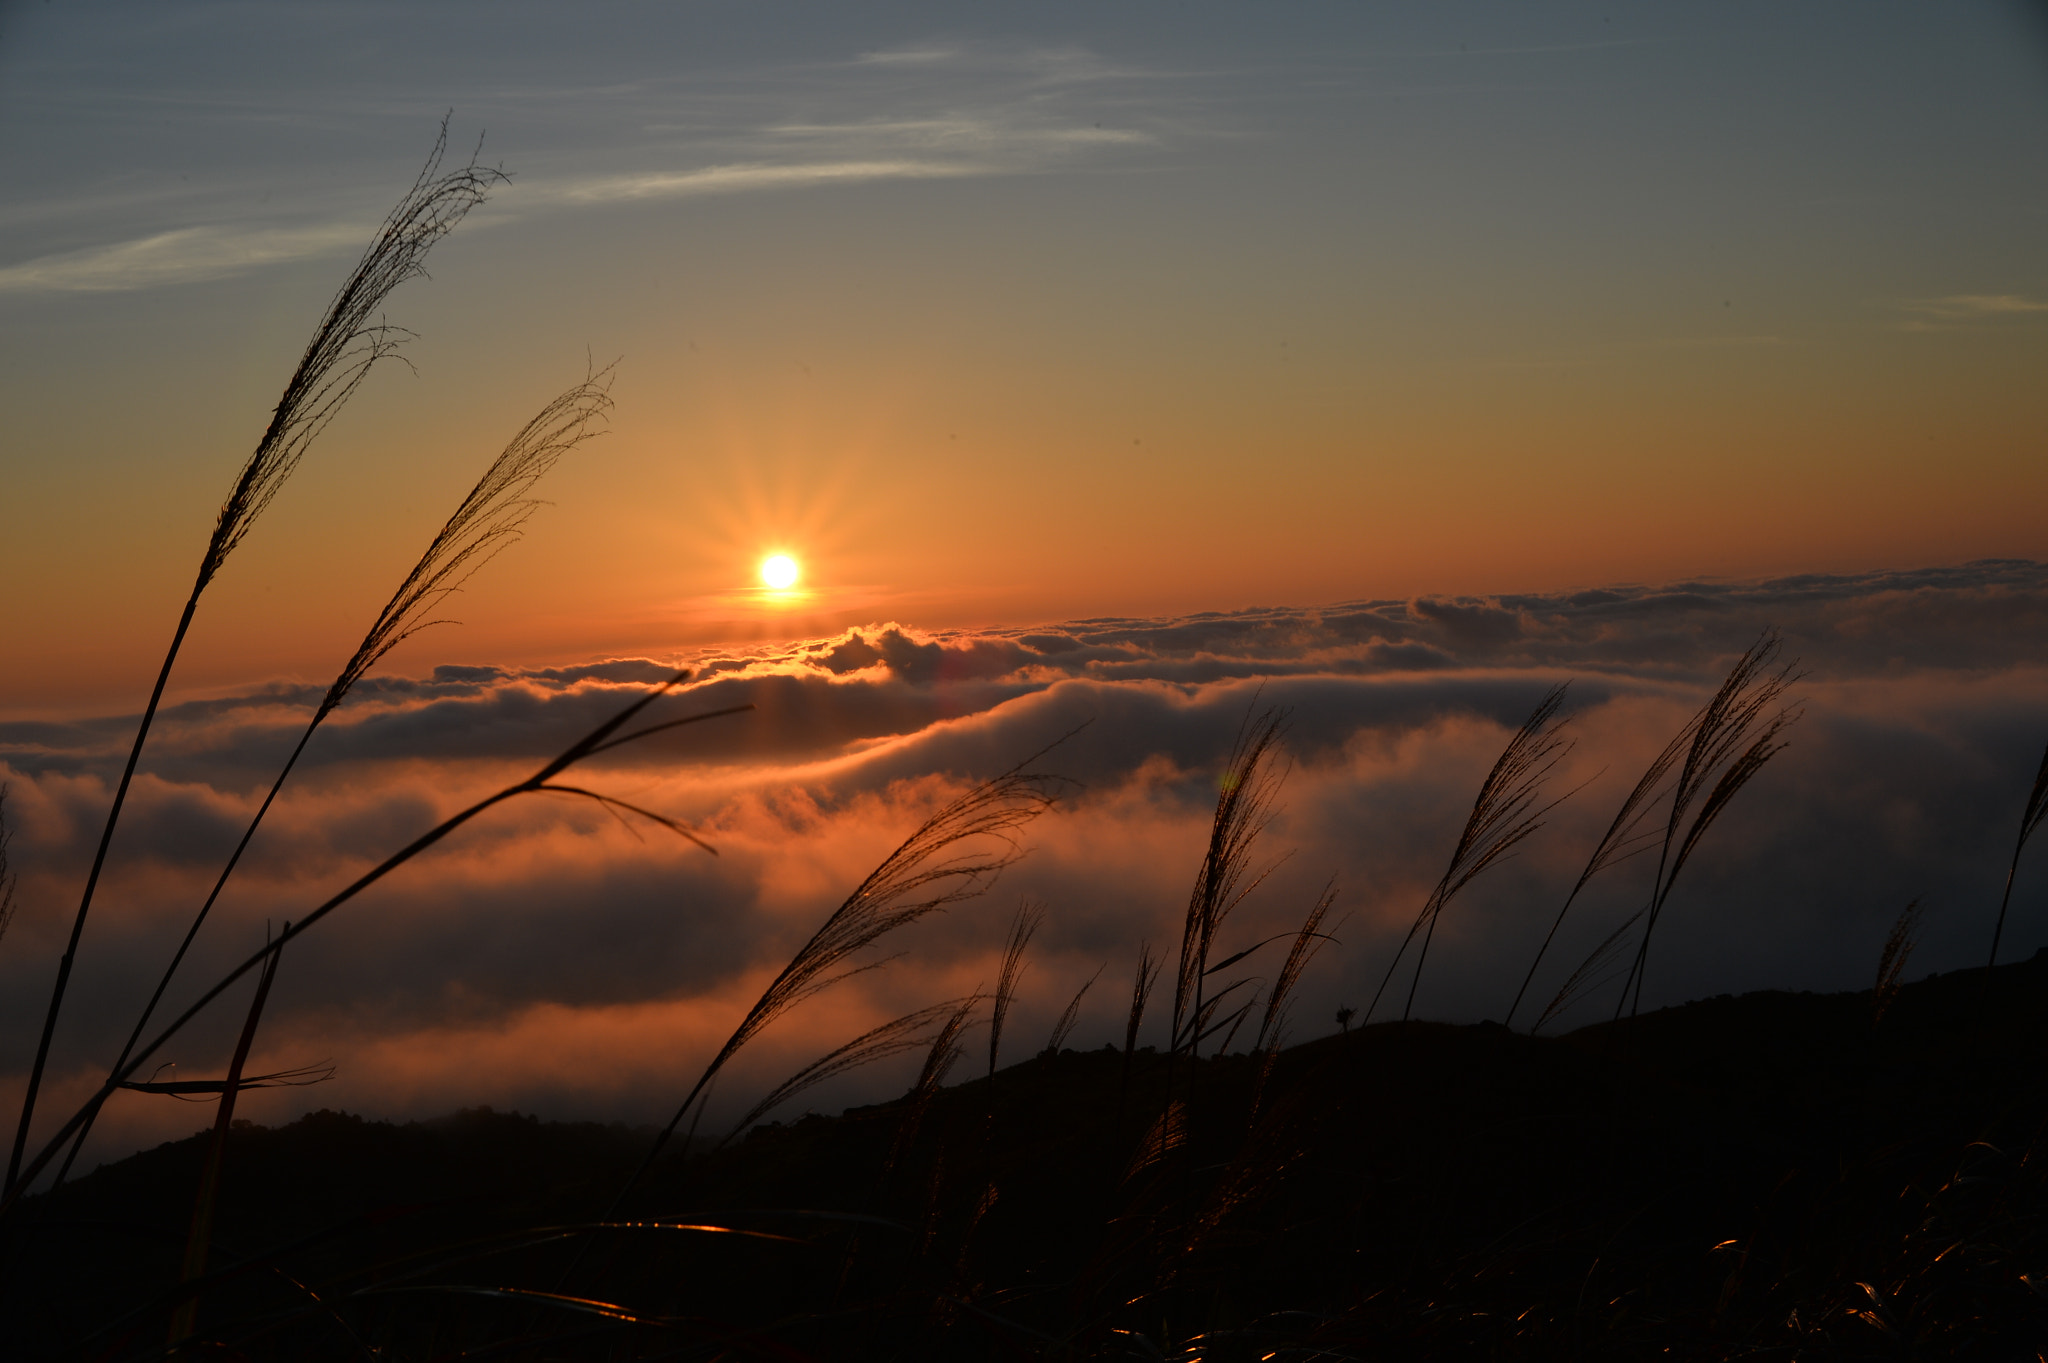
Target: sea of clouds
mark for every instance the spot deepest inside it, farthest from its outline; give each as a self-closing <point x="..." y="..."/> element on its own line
<point x="555" y="958"/>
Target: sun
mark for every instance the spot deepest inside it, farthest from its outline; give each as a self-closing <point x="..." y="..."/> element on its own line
<point x="780" y="572"/>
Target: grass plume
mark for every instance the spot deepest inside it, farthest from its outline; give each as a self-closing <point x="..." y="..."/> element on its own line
<point x="1732" y="737"/>
<point x="2030" y="819"/>
<point x="1506" y="811"/>
<point x="891" y="1038"/>
<point x="1596" y="970"/>
<point x="1071" y="1015"/>
<point x="1623" y="839"/>
<point x="922" y="876"/>
<point x="1891" y="962"/>
<point x="1307" y="942"/>
<point x="1022" y="927"/>
<point x="1244" y="806"/>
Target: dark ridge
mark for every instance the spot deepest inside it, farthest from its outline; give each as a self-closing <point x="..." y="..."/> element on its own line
<point x="1764" y="1176"/>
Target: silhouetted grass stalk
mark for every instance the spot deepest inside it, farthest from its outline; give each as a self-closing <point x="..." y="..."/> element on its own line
<point x="1891" y="962"/>
<point x="199" y="1238"/>
<point x="1734" y="735"/>
<point x="1505" y="812"/>
<point x="1071" y="1015"/>
<point x="2030" y="819"/>
<point x="9" y="880"/>
<point x="1592" y="972"/>
<point x="1142" y="981"/>
<point x="1022" y="927"/>
<point x="1243" y="808"/>
<point x="343" y="349"/>
<point x="1272" y="1026"/>
<point x="891" y="1038"/>
<point x="1621" y="841"/>
<point x="887" y="900"/>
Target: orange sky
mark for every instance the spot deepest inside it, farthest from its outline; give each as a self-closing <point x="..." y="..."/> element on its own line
<point x="1029" y="322"/>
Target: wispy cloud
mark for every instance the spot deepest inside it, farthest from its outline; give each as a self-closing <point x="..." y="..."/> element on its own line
<point x="183" y="256"/>
<point x="922" y="112"/>
<point x="1940" y="314"/>
<point x="739" y="179"/>
<point x="916" y="56"/>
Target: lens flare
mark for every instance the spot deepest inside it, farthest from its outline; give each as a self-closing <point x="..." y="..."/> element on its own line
<point x="780" y="572"/>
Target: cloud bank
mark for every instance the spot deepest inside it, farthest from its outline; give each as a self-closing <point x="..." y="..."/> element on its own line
<point x="553" y="958"/>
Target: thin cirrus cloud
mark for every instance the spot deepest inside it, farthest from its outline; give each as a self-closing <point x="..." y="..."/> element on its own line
<point x="1933" y="314"/>
<point x="184" y="255"/>
<point x="999" y="115"/>
<point x="739" y="179"/>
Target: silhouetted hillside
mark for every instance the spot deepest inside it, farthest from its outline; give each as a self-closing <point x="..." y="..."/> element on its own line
<point x="1769" y="1175"/>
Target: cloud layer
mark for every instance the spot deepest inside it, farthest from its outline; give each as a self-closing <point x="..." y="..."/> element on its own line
<point x="551" y="956"/>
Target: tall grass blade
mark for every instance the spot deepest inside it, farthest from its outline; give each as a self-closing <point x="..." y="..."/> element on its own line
<point x="1273" y="1024"/>
<point x="1027" y="922"/>
<point x="921" y="877"/>
<point x="1142" y="981"/>
<point x="1244" y="806"/>
<point x="891" y="1038"/>
<point x="1734" y="735"/>
<point x="343" y="350"/>
<point x="2030" y="819"/>
<point x="10" y="879"/>
<point x="1507" y="809"/>
<point x="1307" y="942"/>
<point x="1146" y="976"/>
<point x="1065" y="1025"/>
<point x="939" y="1060"/>
<point x="1597" y="969"/>
<point x="1623" y="839"/>
<point x="1891" y="962"/>
<point x="199" y="1238"/>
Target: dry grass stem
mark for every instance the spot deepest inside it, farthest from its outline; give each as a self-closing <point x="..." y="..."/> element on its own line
<point x="299" y="1076"/>
<point x="944" y="1053"/>
<point x="1596" y="970"/>
<point x="1891" y="962"/>
<point x="1022" y="927"/>
<point x="1624" y="838"/>
<point x="1071" y="1015"/>
<point x="1307" y="942"/>
<point x="1244" y="806"/>
<point x="1733" y="736"/>
<point x="891" y="1038"/>
<point x="1146" y="976"/>
<point x="199" y="1238"/>
<point x="9" y="877"/>
<point x="2030" y="819"/>
<point x="922" y="876"/>
<point x="1506" y="811"/>
<point x="1168" y="1133"/>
